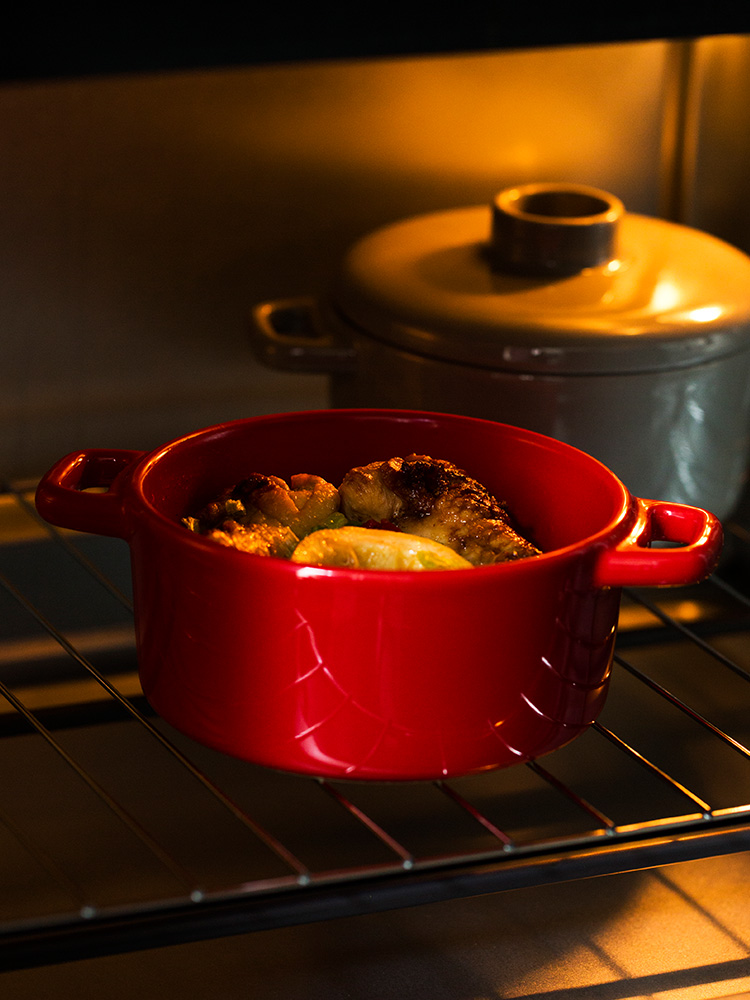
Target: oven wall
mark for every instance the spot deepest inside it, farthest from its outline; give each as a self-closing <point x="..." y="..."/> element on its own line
<point x="718" y="200"/>
<point x="143" y="216"/>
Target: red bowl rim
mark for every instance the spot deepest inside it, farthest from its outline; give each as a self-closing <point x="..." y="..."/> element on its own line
<point x="140" y="471"/>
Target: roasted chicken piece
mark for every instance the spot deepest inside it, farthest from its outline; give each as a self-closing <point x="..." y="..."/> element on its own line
<point x="260" y="539"/>
<point x="307" y="503"/>
<point x="263" y="514"/>
<point x="435" y="499"/>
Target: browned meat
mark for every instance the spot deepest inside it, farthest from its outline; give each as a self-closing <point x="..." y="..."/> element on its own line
<point x="260" y="539"/>
<point x="435" y="499"/>
<point x="307" y="503"/>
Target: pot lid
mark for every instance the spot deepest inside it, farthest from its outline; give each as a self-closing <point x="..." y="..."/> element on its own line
<point x="550" y="278"/>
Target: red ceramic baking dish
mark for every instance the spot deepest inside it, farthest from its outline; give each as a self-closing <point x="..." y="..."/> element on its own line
<point x="378" y="674"/>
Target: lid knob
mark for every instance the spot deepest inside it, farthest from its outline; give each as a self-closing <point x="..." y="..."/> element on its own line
<point x="553" y="229"/>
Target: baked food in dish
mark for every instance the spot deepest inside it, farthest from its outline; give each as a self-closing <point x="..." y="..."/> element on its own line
<point x="416" y="512"/>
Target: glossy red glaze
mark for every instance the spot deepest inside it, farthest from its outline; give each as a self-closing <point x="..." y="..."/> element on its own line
<point x="378" y="675"/>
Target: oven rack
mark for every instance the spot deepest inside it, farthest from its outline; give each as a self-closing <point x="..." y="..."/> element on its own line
<point x="118" y="834"/>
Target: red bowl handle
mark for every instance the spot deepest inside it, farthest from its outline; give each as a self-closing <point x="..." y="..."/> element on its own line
<point x="82" y="491"/>
<point x="632" y="563"/>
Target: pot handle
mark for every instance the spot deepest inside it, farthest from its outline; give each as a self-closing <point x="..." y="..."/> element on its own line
<point x="633" y="563"/>
<point x="82" y="491"/>
<point x="290" y="335"/>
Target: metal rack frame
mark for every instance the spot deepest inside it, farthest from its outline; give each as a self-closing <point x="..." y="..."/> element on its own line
<point x="490" y="857"/>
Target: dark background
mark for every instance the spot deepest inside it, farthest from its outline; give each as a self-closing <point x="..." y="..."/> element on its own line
<point x="65" y="42"/>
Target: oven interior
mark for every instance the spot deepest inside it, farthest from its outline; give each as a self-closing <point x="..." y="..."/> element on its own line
<point x="97" y="860"/>
<point x="163" y="182"/>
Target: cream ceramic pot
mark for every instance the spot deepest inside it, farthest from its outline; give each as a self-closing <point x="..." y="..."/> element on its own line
<point x="555" y="310"/>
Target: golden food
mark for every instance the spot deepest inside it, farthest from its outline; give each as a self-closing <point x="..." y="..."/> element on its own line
<point x="416" y="513"/>
<point x="366" y="548"/>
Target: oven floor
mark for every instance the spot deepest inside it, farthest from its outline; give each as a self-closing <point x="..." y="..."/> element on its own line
<point x="681" y="931"/>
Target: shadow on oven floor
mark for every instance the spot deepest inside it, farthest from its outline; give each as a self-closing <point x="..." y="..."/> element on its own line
<point x="679" y="931"/>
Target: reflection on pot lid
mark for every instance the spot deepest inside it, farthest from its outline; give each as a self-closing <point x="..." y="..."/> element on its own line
<point x="550" y="278"/>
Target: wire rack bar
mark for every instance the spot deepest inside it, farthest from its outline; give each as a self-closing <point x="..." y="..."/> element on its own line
<point x="63" y="540"/>
<point x="596" y="814"/>
<point x="505" y="840"/>
<point x="116" y="807"/>
<point x="154" y="927"/>
<point x="686" y="709"/>
<point x="406" y="856"/>
<point x="620" y="743"/>
<point x="673" y="624"/>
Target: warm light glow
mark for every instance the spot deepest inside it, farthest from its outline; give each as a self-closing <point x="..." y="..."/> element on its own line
<point x="666" y="296"/>
<point x="492" y="119"/>
<point x="634" y="616"/>
<point x="705" y="314"/>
